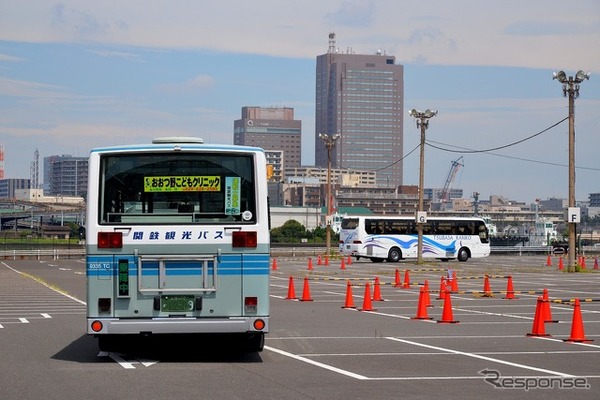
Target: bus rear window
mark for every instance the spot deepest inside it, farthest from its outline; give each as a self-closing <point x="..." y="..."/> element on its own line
<point x="349" y="223"/>
<point x="184" y="188"/>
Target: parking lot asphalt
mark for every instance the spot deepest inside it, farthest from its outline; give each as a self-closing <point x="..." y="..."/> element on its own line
<point x="475" y="333"/>
<point x="332" y="336"/>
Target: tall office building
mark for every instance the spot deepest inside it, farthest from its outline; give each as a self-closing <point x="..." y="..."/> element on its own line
<point x="65" y="175"/>
<point x="361" y="97"/>
<point x="275" y="130"/>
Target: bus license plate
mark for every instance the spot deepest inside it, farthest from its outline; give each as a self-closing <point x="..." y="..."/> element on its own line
<point x="177" y="303"/>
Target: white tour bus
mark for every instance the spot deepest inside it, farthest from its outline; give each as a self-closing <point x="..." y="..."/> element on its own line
<point x="177" y="241"/>
<point x="381" y="238"/>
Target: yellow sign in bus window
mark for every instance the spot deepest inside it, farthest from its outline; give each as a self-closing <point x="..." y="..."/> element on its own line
<point x="182" y="184"/>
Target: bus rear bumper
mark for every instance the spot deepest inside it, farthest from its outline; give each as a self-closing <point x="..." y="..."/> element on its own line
<point x="118" y="326"/>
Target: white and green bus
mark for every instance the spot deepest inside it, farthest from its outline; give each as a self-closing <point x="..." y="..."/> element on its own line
<point x="383" y="238"/>
<point x="177" y="241"/>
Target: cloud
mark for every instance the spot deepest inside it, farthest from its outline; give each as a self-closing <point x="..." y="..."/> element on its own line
<point x="82" y="23"/>
<point x="356" y="13"/>
<point x="198" y="83"/>
<point x="20" y="88"/>
<point x="117" y="54"/>
<point x="9" y="58"/>
<point x="461" y="32"/>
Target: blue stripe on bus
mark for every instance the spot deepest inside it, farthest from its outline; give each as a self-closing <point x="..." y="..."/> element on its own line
<point x="431" y="245"/>
<point x="230" y="265"/>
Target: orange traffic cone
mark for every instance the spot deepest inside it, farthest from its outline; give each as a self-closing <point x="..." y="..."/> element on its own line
<point x="397" y="282"/>
<point x="595" y="262"/>
<point x="427" y="298"/>
<point x="583" y="262"/>
<point x="447" y="316"/>
<point x="421" y="306"/>
<point x="310" y="264"/>
<point x="549" y="261"/>
<point x="577" y="333"/>
<point x="377" y="290"/>
<point x="406" y="284"/>
<point x="349" y="298"/>
<point x="442" y="293"/>
<point x="319" y="260"/>
<point x="560" y="263"/>
<point x="538" y="328"/>
<point x="367" y="305"/>
<point x="291" y="291"/>
<point x="487" y="290"/>
<point x="454" y="283"/>
<point x="274" y="268"/>
<point x="510" y="291"/>
<point x="326" y="259"/>
<point x="343" y="264"/>
<point x="349" y="261"/>
<point x="306" y="291"/>
<point x="546" y="312"/>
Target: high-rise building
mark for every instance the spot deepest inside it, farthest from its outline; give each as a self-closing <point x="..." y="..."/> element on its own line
<point x="65" y="175"/>
<point x="275" y="130"/>
<point x="361" y="98"/>
<point x="9" y="186"/>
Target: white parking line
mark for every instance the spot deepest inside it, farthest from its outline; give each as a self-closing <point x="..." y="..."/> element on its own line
<point x="494" y="360"/>
<point x="317" y="364"/>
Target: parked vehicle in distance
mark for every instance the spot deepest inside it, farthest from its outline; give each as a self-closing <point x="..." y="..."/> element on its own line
<point x="382" y="238"/>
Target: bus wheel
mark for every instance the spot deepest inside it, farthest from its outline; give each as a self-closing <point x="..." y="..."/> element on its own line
<point x="463" y="254"/>
<point x="394" y="255"/>
<point x="107" y="343"/>
<point x="255" y="342"/>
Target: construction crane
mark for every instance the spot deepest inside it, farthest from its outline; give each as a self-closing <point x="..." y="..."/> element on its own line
<point x="444" y="197"/>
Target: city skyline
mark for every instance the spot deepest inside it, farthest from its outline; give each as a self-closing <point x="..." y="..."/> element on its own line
<point x="75" y="76"/>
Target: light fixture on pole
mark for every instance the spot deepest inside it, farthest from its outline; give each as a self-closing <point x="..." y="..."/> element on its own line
<point x="329" y="142"/>
<point x="422" y="118"/>
<point x="570" y="86"/>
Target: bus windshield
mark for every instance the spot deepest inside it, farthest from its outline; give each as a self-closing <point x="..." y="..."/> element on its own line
<point x="168" y="188"/>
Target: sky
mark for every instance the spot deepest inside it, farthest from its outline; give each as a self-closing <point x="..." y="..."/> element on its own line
<point x="78" y="74"/>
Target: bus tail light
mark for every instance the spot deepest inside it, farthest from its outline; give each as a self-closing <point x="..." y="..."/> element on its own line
<point x="250" y="305"/>
<point x="244" y="239"/>
<point x="357" y="242"/>
<point x="110" y="240"/>
<point x="96" y="326"/>
<point x="259" y="324"/>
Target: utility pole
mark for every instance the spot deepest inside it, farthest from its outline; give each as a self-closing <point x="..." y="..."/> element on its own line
<point x="570" y="86"/>
<point x="329" y="142"/>
<point x="422" y="118"/>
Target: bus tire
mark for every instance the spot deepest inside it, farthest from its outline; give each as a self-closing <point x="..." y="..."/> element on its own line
<point x="463" y="254"/>
<point x="107" y="343"/>
<point x="255" y="342"/>
<point x="394" y="255"/>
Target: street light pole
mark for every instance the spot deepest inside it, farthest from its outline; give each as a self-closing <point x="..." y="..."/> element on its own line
<point x="422" y="118"/>
<point x="329" y="142"/>
<point x="570" y="86"/>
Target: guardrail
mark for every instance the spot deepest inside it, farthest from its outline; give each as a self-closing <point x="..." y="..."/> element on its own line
<point x="39" y="254"/>
<point x="276" y="251"/>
